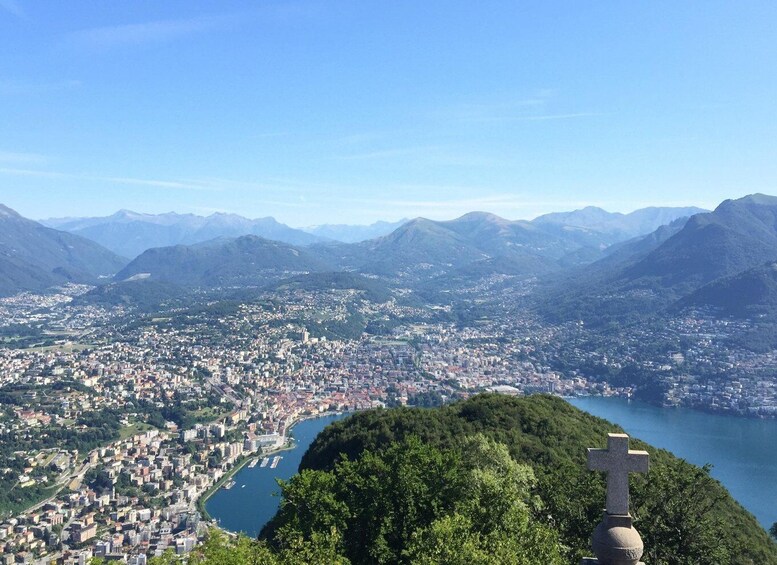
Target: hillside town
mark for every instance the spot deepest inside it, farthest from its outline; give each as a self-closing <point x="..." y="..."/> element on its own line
<point x="116" y="426"/>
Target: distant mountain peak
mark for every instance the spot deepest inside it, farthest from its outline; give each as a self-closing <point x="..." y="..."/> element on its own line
<point x="582" y="216"/>
<point x="124" y="213"/>
<point x="347" y="233"/>
<point x="6" y="212"/>
<point x="478" y="216"/>
<point x="757" y="198"/>
<point x="616" y="225"/>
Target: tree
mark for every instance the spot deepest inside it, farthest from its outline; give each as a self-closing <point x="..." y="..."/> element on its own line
<point x="167" y="558"/>
<point x="413" y="503"/>
<point x="681" y="527"/>
<point x="218" y="549"/>
<point x="773" y="530"/>
<point x="492" y="523"/>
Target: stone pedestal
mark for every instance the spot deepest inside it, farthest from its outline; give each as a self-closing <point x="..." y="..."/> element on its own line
<point x="595" y="561"/>
<point x="615" y="542"/>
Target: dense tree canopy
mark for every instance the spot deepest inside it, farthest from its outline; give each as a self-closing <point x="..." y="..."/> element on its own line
<point x="683" y="514"/>
<point x="414" y="503"/>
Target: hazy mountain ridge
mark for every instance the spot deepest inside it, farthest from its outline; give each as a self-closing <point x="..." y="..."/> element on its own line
<point x="664" y="265"/>
<point x="737" y="235"/>
<point x="417" y="250"/>
<point x="472" y="246"/>
<point x="34" y="257"/>
<point x="347" y="233"/>
<point x="592" y="225"/>
<point x="497" y="244"/>
<point x="248" y="261"/>
<point x="130" y="233"/>
<point x="652" y="273"/>
<point x="422" y="249"/>
<point x="750" y="293"/>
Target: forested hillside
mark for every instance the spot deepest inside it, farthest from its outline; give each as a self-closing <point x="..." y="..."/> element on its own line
<point x="489" y="480"/>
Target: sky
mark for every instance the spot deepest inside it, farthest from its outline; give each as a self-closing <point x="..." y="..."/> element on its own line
<point x="340" y="111"/>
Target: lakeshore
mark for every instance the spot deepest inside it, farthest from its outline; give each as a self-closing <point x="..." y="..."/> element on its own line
<point x="248" y="506"/>
<point x="202" y="500"/>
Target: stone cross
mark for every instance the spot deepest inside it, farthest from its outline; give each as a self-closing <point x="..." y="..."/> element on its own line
<point x="618" y="461"/>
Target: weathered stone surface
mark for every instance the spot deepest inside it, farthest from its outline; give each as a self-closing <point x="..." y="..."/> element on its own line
<point x="618" y="461"/>
<point x="616" y="542"/>
<point x="595" y="561"/>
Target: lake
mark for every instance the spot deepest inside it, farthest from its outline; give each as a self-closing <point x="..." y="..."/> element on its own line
<point x="743" y="451"/>
<point x="254" y="499"/>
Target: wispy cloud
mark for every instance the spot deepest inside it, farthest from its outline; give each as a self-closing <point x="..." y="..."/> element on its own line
<point x="546" y="117"/>
<point x="432" y="155"/>
<point x="158" y="31"/>
<point x="358" y="138"/>
<point x="163" y="31"/>
<point x="389" y="153"/>
<point x="535" y="116"/>
<point x="186" y="185"/>
<point x="490" y="111"/>
<point x="13" y="7"/>
<point x="156" y="183"/>
<point x="24" y="158"/>
<point x="542" y="105"/>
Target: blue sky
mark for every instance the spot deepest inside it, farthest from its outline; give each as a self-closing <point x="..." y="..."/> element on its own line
<point x="353" y="111"/>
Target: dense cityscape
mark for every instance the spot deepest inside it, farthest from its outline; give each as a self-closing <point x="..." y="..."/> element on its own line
<point x="117" y="425"/>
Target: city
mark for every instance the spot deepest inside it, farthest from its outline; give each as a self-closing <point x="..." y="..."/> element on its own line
<point x="118" y="425"/>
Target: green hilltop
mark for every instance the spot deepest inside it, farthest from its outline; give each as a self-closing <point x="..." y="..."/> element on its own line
<point x="489" y="480"/>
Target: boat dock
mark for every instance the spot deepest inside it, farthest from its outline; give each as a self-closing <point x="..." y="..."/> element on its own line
<point x="265" y="461"/>
<point x="275" y="461"/>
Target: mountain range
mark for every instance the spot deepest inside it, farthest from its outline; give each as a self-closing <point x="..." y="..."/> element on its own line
<point x="129" y="233"/>
<point x="353" y="234"/>
<point x="592" y="225"/>
<point x="464" y="249"/>
<point x="34" y="257"/>
<point x="244" y="261"/>
<point x="730" y="248"/>
<point x="418" y="250"/>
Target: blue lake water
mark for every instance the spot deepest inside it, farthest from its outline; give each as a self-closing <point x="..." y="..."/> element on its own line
<point x="254" y="499"/>
<point x="743" y="451"/>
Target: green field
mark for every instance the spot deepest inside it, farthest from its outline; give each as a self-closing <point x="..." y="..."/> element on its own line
<point x="134" y="429"/>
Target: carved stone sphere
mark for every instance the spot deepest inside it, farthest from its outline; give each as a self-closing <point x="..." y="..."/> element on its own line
<point x="616" y="542"/>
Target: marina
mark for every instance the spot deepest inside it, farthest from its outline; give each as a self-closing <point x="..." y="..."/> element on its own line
<point x="253" y="463"/>
<point x="229" y="485"/>
<point x="248" y="510"/>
